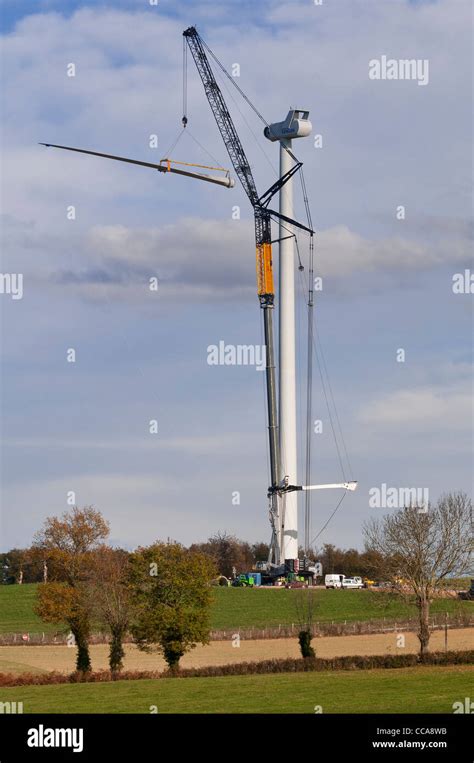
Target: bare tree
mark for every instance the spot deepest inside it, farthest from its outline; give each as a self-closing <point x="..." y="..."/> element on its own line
<point x="421" y="547"/>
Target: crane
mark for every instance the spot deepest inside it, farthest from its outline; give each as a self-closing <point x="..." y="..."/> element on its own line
<point x="293" y="126"/>
<point x="263" y="241"/>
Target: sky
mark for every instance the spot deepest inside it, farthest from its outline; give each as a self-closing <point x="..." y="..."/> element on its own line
<point x="80" y="431"/>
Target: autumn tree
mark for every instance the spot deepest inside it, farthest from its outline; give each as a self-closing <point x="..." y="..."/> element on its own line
<point x="172" y="597"/>
<point x="68" y="544"/>
<point x="110" y="598"/>
<point x="422" y="546"/>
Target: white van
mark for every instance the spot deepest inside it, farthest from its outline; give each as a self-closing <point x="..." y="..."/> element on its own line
<point x="352" y="583"/>
<point x="334" y="581"/>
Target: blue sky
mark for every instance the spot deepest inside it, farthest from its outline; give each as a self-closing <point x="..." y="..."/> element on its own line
<point x="83" y="427"/>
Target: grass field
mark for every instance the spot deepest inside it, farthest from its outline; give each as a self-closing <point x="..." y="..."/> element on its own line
<point x="16" y="610"/>
<point x="266" y="607"/>
<point x="245" y="608"/>
<point x="414" y="690"/>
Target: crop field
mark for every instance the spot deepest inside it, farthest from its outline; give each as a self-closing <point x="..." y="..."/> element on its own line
<point x="45" y="658"/>
<point x="247" y="608"/>
<point x="414" y="690"/>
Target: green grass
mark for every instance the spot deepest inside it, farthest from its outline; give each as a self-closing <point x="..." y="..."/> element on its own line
<point x="17" y="613"/>
<point x="245" y="608"/>
<point x="413" y="690"/>
<point x="262" y="608"/>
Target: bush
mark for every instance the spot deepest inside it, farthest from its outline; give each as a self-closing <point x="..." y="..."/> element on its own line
<point x="290" y="665"/>
<point x="307" y="651"/>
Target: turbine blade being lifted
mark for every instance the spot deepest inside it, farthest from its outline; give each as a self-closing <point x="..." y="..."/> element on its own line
<point x="227" y="182"/>
<point x="107" y="156"/>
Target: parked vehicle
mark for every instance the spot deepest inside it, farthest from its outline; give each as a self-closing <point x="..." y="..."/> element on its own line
<point x="248" y="580"/>
<point x="352" y="583"/>
<point x="468" y="595"/>
<point x="333" y="581"/>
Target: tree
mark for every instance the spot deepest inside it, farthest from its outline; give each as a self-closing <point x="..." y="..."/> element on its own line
<point x="110" y="598"/>
<point x="305" y="607"/>
<point x="58" y="603"/>
<point x="68" y="544"/>
<point x="171" y="591"/>
<point x="331" y="559"/>
<point x="12" y="562"/>
<point x="228" y="552"/>
<point x="421" y="547"/>
<point x="260" y="551"/>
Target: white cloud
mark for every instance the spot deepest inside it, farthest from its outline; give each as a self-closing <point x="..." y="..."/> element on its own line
<point x="198" y="259"/>
<point x="198" y="445"/>
<point x="423" y="410"/>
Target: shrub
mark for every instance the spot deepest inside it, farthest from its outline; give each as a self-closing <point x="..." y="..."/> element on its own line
<point x="289" y="665"/>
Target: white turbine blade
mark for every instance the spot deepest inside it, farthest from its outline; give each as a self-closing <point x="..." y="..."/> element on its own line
<point x="227" y="182"/>
<point x="345" y="485"/>
<point x="107" y="156"/>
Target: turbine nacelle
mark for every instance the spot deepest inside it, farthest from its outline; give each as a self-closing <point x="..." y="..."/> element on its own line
<point x="296" y="125"/>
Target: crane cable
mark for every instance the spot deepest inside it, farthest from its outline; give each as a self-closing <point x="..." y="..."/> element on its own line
<point x="328" y="520"/>
<point x="322" y="367"/>
<point x="309" y="395"/>
<point x="324" y="384"/>
<point x="309" y="369"/>
<point x="232" y="79"/>
<point x="245" y="97"/>
<point x="185" y="83"/>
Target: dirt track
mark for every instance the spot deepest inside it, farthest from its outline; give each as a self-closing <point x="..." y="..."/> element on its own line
<point x="14" y="659"/>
